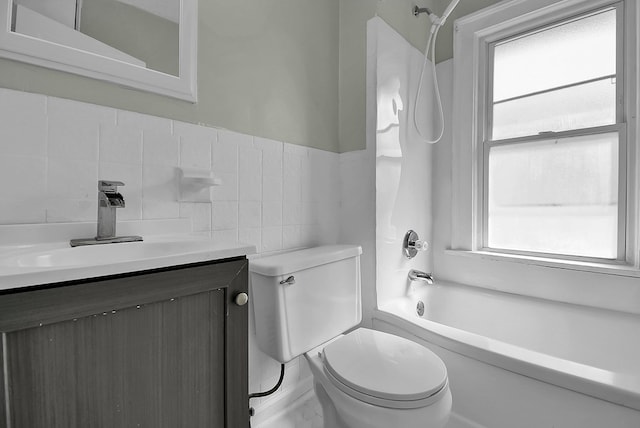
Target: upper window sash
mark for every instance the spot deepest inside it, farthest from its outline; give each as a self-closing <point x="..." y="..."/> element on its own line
<point x="595" y="82"/>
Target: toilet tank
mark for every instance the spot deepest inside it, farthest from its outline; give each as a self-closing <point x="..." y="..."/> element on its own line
<point x="293" y="318"/>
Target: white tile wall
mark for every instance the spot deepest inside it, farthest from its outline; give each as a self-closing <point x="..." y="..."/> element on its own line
<point x="274" y="195"/>
<point x="24" y="125"/>
<point x="74" y="129"/>
<point x="24" y="188"/>
<point x="122" y="144"/>
<point x="53" y="151"/>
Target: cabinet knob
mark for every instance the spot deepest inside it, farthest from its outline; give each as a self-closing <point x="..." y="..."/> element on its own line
<point x="241" y="299"/>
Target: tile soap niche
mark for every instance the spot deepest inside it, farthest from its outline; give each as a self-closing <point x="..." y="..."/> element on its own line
<point x="194" y="184"/>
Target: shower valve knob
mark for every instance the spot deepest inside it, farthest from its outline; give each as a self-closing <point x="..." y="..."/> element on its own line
<point x="412" y="244"/>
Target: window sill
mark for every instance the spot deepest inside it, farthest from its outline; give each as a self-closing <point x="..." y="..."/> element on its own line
<point x="600" y="268"/>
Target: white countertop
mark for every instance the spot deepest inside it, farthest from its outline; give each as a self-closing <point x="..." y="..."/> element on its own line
<point x="28" y="263"/>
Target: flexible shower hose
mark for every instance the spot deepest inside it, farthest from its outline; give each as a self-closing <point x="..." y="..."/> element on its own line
<point x="431" y="46"/>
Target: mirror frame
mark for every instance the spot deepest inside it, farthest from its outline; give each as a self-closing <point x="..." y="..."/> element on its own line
<point x="20" y="47"/>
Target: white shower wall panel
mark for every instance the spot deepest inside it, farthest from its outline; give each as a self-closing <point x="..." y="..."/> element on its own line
<point x="403" y="158"/>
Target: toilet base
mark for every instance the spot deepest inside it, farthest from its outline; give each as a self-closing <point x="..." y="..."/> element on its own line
<point x="330" y="416"/>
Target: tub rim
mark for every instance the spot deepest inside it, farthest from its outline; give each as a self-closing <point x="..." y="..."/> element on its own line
<point x="571" y="375"/>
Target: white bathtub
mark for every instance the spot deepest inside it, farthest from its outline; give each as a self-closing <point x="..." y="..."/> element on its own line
<point x="517" y="362"/>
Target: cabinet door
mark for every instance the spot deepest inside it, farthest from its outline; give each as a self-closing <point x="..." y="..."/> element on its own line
<point x="153" y="365"/>
<point x="163" y="348"/>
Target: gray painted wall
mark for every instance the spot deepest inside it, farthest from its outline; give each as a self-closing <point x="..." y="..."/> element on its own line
<point x="268" y="69"/>
<point x="289" y="70"/>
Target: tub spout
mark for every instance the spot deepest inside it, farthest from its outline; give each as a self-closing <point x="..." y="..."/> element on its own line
<point x="417" y="275"/>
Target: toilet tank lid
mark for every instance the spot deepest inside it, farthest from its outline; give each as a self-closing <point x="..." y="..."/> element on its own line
<point x="294" y="261"/>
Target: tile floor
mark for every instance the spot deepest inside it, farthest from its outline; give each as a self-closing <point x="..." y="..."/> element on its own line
<point x="307" y="413"/>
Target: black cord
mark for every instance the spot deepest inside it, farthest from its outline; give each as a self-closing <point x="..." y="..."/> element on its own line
<point x="269" y="392"/>
<point x="272" y="390"/>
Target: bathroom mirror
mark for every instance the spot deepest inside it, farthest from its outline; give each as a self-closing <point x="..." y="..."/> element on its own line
<point x="144" y="44"/>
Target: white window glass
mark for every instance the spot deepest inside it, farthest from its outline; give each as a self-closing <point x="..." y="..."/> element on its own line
<point x="582" y="106"/>
<point x="565" y="54"/>
<point x="559" y="78"/>
<point x="555" y="196"/>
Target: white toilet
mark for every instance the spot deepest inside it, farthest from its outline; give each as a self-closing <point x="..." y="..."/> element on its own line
<point x="303" y="303"/>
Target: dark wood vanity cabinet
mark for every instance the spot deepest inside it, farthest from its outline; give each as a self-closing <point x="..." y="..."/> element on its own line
<point x="159" y="349"/>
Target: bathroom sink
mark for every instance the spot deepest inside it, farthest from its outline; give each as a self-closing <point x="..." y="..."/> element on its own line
<point x="104" y="254"/>
<point x="57" y="262"/>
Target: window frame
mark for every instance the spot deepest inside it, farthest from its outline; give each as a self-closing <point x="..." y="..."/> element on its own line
<point x="475" y="36"/>
<point x="619" y="128"/>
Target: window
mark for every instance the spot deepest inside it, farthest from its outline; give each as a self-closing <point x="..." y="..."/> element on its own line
<point x="553" y="156"/>
<point x="545" y="160"/>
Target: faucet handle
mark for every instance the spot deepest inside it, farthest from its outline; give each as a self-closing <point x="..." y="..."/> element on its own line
<point x="108" y="195"/>
<point x="109" y="186"/>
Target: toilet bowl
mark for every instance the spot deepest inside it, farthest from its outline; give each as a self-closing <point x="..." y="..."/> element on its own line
<point x="407" y="389"/>
<point x="304" y="301"/>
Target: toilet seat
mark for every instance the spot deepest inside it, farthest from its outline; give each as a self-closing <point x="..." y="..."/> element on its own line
<point x="385" y="370"/>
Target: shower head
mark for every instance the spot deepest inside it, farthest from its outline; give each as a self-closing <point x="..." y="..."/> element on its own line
<point x="438" y="21"/>
<point x="418" y="10"/>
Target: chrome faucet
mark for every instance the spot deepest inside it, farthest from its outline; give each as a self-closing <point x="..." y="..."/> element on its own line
<point x="109" y="199"/>
<point x="417" y="275"/>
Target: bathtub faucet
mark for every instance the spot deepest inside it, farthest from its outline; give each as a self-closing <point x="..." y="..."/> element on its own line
<point x="417" y="275"/>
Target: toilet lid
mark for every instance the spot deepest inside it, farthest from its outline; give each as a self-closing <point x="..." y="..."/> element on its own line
<point x="385" y="366"/>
